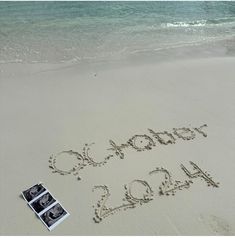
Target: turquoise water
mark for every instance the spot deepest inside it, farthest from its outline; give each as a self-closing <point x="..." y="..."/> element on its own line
<point x="97" y="31"/>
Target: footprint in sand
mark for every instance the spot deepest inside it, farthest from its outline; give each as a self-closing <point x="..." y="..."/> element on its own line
<point x="219" y="226"/>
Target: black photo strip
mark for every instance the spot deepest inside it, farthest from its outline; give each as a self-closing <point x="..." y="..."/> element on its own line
<point x="45" y="206"/>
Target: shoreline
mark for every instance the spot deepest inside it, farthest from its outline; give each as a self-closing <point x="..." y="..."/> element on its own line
<point x="10" y="69"/>
<point x="219" y="48"/>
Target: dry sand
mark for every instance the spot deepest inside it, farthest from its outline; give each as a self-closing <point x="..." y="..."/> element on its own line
<point x="49" y="109"/>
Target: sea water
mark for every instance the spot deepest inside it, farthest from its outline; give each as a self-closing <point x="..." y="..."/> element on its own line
<point x="79" y="32"/>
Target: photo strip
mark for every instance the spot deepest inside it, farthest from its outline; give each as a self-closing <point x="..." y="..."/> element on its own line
<point x="54" y="216"/>
<point x="33" y="192"/>
<point x="45" y="206"/>
<point x="42" y="202"/>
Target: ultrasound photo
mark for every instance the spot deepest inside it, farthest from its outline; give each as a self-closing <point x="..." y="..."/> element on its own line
<point x="42" y="202"/>
<point x="54" y="216"/>
<point x="33" y="192"/>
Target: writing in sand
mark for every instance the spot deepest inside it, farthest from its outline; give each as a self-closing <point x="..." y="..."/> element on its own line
<point x="137" y="142"/>
<point x="168" y="186"/>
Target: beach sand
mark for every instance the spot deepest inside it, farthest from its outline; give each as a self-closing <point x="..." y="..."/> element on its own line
<point x="46" y="109"/>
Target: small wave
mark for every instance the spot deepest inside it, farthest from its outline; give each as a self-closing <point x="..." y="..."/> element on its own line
<point x="199" y="23"/>
<point x="185" y="44"/>
<point x="184" y="24"/>
<point x="221" y="20"/>
<point x="11" y="61"/>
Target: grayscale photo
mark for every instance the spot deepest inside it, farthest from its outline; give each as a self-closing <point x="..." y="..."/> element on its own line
<point x="42" y="202"/>
<point x="54" y="216"/>
<point x="33" y="192"/>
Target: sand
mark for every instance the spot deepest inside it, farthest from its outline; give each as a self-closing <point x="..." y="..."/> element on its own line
<point x="48" y="109"/>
